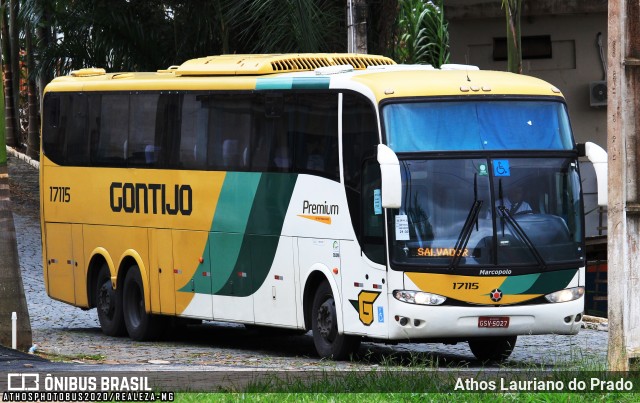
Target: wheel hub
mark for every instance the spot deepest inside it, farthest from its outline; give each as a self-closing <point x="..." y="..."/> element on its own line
<point x="326" y="319"/>
<point x="105" y="299"/>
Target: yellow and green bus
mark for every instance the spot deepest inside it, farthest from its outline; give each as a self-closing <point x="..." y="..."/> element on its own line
<point x="338" y="193"/>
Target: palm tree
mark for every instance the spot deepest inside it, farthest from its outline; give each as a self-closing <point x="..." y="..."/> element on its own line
<point x="279" y="26"/>
<point x="33" y="130"/>
<point x="513" y="9"/>
<point x="12" y="298"/>
<point x="10" y="127"/>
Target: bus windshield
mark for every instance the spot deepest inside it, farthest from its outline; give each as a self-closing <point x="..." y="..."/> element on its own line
<point x="477" y="125"/>
<point x="503" y="212"/>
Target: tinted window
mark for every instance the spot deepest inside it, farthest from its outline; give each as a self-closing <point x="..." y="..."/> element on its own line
<point x="477" y="125"/>
<point x="359" y="142"/>
<point x="141" y="149"/>
<point x="314" y="125"/>
<point x="276" y="132"/>
<point x="111" y="147"/>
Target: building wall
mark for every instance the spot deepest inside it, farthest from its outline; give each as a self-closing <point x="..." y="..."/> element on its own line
<point x="575" y="62"/>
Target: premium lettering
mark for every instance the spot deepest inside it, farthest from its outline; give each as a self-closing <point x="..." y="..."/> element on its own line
<point x="311" y="208"/>
<point x="151" y="198"/>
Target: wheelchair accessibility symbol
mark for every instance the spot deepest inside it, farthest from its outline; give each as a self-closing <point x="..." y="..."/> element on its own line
<point x="501" y="168"/>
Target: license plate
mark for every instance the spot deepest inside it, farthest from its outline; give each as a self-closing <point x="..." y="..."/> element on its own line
<point x="493" y="321"/>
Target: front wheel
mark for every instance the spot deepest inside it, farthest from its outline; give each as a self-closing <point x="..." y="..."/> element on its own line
<point x="140" y="324"/>
<point x="492" y="349"/>
<point x="329" y="343"/>
<point x="109" y="305"/>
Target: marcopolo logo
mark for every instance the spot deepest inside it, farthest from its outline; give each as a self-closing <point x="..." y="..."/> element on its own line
<point x="320" y="212"/>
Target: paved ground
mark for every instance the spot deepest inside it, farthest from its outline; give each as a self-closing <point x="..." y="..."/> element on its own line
<point x="68" y="332"/>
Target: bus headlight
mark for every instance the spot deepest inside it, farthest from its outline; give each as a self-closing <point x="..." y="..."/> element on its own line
<point x="418" y="297"/>
<point x="566" y="295"/>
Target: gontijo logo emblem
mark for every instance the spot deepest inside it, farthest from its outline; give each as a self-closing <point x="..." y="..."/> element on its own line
<point x="364" y="306"/>
<point x="320" y="212"/>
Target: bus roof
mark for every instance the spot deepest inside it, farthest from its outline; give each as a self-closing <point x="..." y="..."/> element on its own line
<point x="379" y="74"/>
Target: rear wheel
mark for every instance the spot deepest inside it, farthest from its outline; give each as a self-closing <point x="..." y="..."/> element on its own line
<point x="109" y="305"/>
<point x="492" y="349"/>
<point x="329" y="343"/>
<point x="140" y="324"/>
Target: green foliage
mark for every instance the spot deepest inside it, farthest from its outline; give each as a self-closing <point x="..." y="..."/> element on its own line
<point x="144" y="35"/>
<point x="3" y="141"/>
<point x="423" y="33"/>
<point x="283" y="26"/>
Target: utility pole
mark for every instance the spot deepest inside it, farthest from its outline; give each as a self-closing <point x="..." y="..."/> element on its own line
<point x="623" y="146"/>
<point x="357" y="26"/>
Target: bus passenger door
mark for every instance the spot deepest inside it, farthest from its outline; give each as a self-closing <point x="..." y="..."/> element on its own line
<point x="364" y="276"/>
<point x="60" y="262"/>
<point x="161" y="281"/>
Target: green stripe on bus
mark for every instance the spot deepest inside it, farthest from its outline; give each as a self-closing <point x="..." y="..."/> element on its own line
<point x="274" y="83"/>
<point x="518" y="284"/>
<point x="225" y="239"/>
<point x="552" y="281"/>
<point x="288" y="83"/>
<point x="262" y="234"/>
<point x="311" y="83"/>
<point x="230" y="222"/>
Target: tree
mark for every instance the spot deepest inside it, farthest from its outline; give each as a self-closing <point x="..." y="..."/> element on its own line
<point x="10" y="115"/>
<point x="280" y="26"/>
<point x="33" y="117"/>
<point x="513" y="9"/>
<point x="422" y="33"/>
<point x="12" y="298"/>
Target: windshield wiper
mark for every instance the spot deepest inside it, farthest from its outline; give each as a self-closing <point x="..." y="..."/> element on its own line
<point x="465" y="234"/>
<point x="522" y="235"/>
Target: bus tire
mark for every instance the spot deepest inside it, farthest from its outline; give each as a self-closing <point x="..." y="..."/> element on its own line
<point x="140" y="325"/>
<point x="109" y="305"/>
<point x="328" y="342"/>
<point x="492" y="349"/>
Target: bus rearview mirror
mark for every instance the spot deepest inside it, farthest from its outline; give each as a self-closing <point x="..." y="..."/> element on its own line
<point x="598" y="157"/>
<point x="391" y="179"/>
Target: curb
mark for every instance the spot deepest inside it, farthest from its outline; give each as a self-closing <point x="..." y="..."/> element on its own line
<point x="35" y="164"/>
<point x="595" y="319"/>
<point x="595" y="323"/>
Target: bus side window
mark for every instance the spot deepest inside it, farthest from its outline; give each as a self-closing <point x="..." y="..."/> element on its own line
<point x="313" y="122"/>
<point x="77" y="141"/>
<point x="359" y="142"/>
<point x="113" y="130"/>
<point x="53" y="132"/>
<point x="141" y="148"/>
<point x="193" y="133"/>
<point x="372" y="213"/>
<point x="229" y="129"/>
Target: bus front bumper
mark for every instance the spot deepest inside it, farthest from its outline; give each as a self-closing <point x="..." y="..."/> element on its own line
<point x="441" y="322"/>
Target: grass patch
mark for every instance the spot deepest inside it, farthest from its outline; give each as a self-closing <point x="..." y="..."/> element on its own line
<point x="426" y="377"/>
<point x="406" y="397"/>
<point x="68" y="358"/>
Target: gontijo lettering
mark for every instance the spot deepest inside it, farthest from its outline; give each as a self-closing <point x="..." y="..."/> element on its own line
<point x="151" y="198"/>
